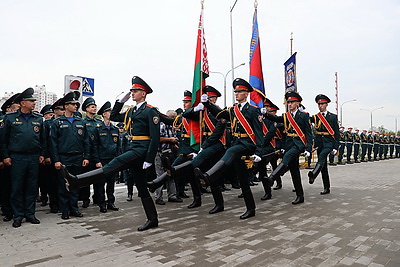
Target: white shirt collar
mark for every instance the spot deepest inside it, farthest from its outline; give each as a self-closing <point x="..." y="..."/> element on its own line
<point x="138" y="105"/>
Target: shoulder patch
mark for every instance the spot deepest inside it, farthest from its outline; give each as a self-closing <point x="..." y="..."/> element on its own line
<point x="156" y="119"/>
<point x="260" y="118"/>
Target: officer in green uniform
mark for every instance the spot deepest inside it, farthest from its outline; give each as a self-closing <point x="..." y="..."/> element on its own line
<point x="364" y="145"/>
<point x="92" y="123"/>
<point x="106" y="144"/>
<point x="298" y="139"/>
<point x="247" y="137"/>
<point x="357" y="141"/>
<point x="212" y="149"/>
<point x="397" y="146"/>
<point x="382" y="143"/>
<point x="342" y="145"/>
<point x="377" y="145"/>
<point x="5" y="181"/>
<point x="326" y="140"/>
<point x="370" y="143"/>
<point x="391" y="146"/>
<point x="44" y="169"/>
<point x="386" y="146"/>
<point x="269" y="148"/>
<point x="70" y="147"/>
<point x="24" y="148"/>
<point x="349" y="144"/>
<point x="142" y="122"/>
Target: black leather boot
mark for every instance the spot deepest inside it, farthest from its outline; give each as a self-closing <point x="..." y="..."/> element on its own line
<point x="151" y="214"/>
<point x="212" y="173"/>
<point x="159" y="181"/>
<point x="267" y="189"/>
<point x="250" y="205"/>
<point x="279" y="171"/>
<point x="298" y="200"/>
<point x="325" y="191"/>
<point x="218" y="199"/>
<point x="195" y="184"/>
<point x="314" y="173"/>
<point x="81" y="180"/>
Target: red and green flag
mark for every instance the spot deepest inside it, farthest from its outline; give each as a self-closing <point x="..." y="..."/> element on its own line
<point x="201" y="72"/>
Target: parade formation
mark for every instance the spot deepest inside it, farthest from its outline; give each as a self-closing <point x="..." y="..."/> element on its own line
<point x="57" y="155"/>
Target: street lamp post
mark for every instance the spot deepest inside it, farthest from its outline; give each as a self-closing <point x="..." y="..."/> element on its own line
<point x="395" y="122"/>
<point x="341" y="110"/>
<point x="224" y="76"/>
<point x="371" y="110"/>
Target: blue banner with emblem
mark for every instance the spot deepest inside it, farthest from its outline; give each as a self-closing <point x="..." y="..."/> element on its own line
<point x="87" y="86"/>
<point x="290" y="74"/>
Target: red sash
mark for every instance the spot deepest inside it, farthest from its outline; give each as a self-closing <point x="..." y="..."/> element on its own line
<point x="245" y="124"/>
<point x="278" y="133"/>
<point x="296" y="127"/>
<point x="326" y="124"/>
<point x="265" y="131"/>
<point x="186" y="125"/>
<point x="211" y="126"/>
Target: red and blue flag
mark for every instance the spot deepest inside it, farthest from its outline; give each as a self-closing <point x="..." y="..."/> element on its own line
<point x="256" y="74"/>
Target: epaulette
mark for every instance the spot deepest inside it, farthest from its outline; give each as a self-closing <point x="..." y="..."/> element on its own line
<point x="11" y="112"/>
<point x="37" y="113"/>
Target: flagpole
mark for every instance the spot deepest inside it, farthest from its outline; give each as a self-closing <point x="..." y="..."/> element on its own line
<point x="201" y="91"/>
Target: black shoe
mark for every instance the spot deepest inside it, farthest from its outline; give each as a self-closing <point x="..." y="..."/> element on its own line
<point x="332" y="164"/>
<point x="149" y="224"/>
<point x="129" y="198"/>
<point x="236" y="186"/>
<point x="103" y="209"/>
<point x="160" y="202"/>
<point x="252" y="184"/>
<point x="266" y="196"/>
<point x="65" y="216"/>
<point x="277" y="187"/>
<point x="311" y="179"/>
<point x="204" y="189"/>
<point x="112" y="206"/>
<point x="240" y="196"/>
<point x="216" y="209"/>
<point x="326" y="191"/>
<point x="341" y="163"/>
<point x="17" y="223"/>
<point x="33" y="220"/>
<point x="349" y="162"/>
<point x="196" y="203"/>
<point x="76" y="214"/>
<point x="44" y="203"/>
<point x="175" y="199"/>
<point x="183" y="195"/>
<point x="7" y="217"/>
<point x="85" y="204"/>
<point x="298" y="200"/>
<point x="293" y="190"/>
<point x="357" y="161"/>
<point x="248" y="214"/>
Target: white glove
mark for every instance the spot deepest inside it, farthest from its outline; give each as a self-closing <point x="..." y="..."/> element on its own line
<point x="204" y="98"/>
<point x="146" y="165"/>
<point x="263" y="111"/>
<point x="334" y="151"/>
<point x="201" y="149"/>
<point x="283" y="151"/>
<point x="193" y="155"/>
<point x="125" y="98"/>
<point x="307" y="154"/>
<point x="199" y="107"/>
<point x="256" y="158"/>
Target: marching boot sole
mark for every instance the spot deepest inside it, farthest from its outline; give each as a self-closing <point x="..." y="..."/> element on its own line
<point x="311" y="178"/>
<point x="149" y="224"/>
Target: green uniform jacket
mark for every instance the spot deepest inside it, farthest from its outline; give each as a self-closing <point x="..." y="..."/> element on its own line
<point x="106" y="142"/>
<point x="23" y="136"/>
<point x="69" y="138"/>
<point x="91" y="126"/>
<point x="142" y="122"/>
<point x="326" y="141"/>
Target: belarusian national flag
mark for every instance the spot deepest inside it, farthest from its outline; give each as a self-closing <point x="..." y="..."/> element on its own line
<point x="200" y="74"/>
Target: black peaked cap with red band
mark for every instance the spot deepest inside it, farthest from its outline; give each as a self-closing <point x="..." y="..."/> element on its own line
<point x="241" y="85"/>
<point x="211" y="91"/>
<point x="322" y="99"/>
<point x="139" y="84"/>
<point x="293" y="96"/>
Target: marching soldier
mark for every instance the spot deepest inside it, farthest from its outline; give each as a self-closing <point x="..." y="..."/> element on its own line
<point x="298" y="139"/>
<point x="326" y="140"/>
<point x="381" y="146"/>
<point x="370" y="141"/>
<point x="70" y="147"/>
<point x="142" y="122"/>
<point x="212" y="149"/>
<point x="106" y="147"/>
<point x="397" y="147"/>
<point x="92" y="123"/>
<point x="364" y="145"/>
<point x="5" y="181"/>
<point x="391" y="146"/>
<point x="357" y="141"/>
<point x="247" y="133"/>
<point x="349" y="144"/>
<point x="386" y="146"/>
<point x="23" y="150"/>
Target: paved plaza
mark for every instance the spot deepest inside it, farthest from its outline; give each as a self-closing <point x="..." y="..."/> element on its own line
<point x="358" y="224"/>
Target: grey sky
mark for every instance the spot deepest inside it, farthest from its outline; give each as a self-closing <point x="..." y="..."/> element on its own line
<point x="111" y="41"/>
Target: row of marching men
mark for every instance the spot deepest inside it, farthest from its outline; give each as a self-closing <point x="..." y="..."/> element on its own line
<point x="367" y="146"/>
<point x="35" y="145"/>
<point x="232" y="138"/>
